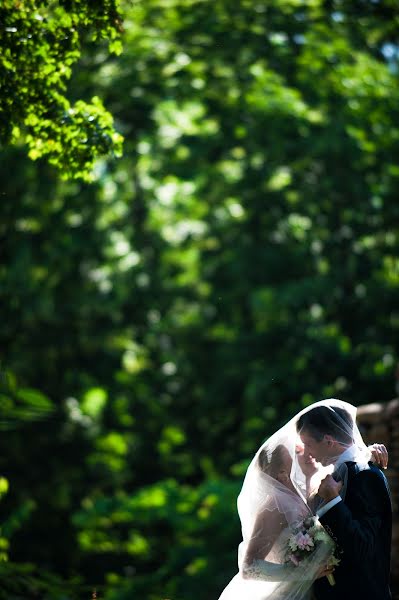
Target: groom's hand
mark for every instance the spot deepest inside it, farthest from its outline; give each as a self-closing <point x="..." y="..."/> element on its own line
<point x="329" y="488"/>
<point x="324" y="571"/>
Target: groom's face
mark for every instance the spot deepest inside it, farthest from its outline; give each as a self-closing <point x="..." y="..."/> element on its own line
<point x="320" y="450"/>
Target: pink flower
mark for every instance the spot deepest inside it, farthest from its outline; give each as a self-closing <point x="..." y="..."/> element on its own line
<point x="304" y="541"/>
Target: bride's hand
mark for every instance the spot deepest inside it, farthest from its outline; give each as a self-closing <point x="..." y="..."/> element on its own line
<point x="379" y="455"/>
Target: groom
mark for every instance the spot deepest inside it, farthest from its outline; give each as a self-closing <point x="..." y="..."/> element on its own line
<point x="360" y="519"/>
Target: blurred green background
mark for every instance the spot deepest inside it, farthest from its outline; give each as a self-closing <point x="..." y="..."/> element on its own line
<point x="164" y="310"/>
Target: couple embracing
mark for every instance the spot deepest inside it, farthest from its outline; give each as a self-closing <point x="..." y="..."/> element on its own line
<point x="315" y="512"/>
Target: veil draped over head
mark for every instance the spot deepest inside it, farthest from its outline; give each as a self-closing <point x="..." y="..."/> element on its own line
<point x="278" y="486"/>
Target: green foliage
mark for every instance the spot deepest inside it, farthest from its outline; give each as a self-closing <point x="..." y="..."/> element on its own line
<point x="237" y="263"/>
<point x="24" y="582"/>
<point x="168" y="525"/>
<point x="40" y="43"/>
<point x="20" y="405"/>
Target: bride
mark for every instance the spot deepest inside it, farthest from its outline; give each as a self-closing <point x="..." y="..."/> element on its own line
<point x="279" y="491"/>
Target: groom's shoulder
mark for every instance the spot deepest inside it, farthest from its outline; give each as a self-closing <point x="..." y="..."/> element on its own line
<point x="365" y="469"/>
<point x="367" y="474"/>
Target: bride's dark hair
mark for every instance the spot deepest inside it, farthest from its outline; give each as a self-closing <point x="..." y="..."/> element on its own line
<point x="272" y="463"/>
<point x="323" y="420"/>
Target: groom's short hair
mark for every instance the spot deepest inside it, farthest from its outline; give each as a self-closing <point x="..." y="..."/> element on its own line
<point x="323" y="420"/>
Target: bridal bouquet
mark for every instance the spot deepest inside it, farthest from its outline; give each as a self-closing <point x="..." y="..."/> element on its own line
<point x="306" y="537"/>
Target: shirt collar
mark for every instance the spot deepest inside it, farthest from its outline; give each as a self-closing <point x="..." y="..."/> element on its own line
<point x="348" y="455"/>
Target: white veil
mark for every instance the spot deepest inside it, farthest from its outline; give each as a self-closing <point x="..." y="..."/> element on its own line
<point x="274" y="496"/>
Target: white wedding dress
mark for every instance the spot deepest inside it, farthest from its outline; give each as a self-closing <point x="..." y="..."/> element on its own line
<point x="267" y="508"/>
<point x="266" y="580"/>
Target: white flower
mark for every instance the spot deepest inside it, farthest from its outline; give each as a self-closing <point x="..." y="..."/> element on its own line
<point x="321" y="535"/>
<point x="292" y="543"/>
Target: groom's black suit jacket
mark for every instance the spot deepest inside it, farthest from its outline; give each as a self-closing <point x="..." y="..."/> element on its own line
<point x="361" y="525"/>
